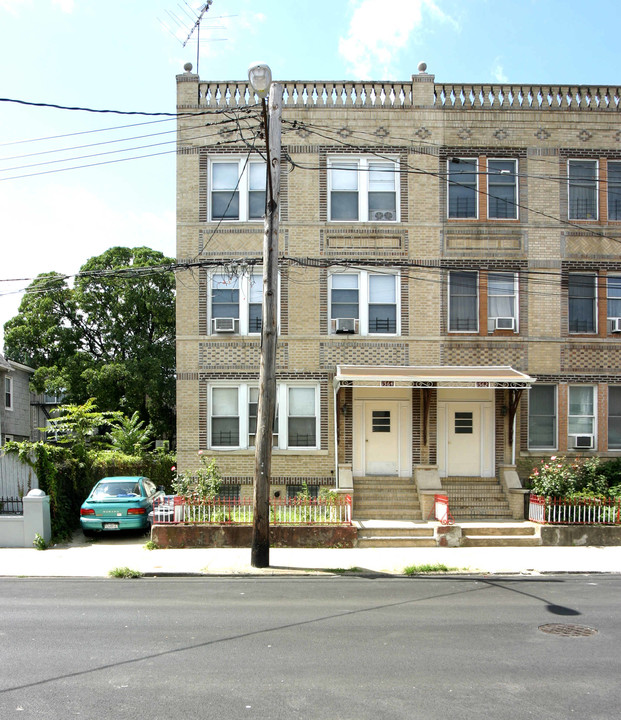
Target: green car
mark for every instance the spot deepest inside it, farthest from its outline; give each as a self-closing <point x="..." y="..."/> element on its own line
<point x="119" y="503"/>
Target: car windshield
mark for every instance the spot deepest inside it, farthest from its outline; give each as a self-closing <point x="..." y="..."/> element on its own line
<point x="126" y="489"/>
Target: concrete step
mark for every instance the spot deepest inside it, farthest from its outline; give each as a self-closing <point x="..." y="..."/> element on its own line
<point x="499" y="541"/>
<point x="393" y="531"/>
<point x="395" y="541"/>
<point x="500" y="531"/>
<point x="387" y="514"/>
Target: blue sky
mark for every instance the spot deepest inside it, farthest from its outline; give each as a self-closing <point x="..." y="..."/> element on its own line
<point x="118" y="55"/>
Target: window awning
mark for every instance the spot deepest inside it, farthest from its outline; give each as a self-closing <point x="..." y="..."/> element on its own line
<point x="431" y="377"/>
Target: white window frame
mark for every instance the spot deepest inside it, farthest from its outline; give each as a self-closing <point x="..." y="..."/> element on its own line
<point x="239" y="416"/>
<point x="8" y="393"/>
<point x="542" y="447"/>
<point x="364" y="164"/>
<point x="612" y="449"/>
<point x="513" y="174"/>
<point x="448" y="322"/>
<point x="451" y="182"/>
<point x="582" y="161"/>
<point x="243" y="415"/>
<point x="617" y="278"/>
<point x="243" y="186"/>
<point x="246" y="282"/>
<point x="491" y="319"/>
<point x="592" y="417"/>
<point x="595" y="304"/>
<point x="364" y="299"/>
<point x="613" y="188"/>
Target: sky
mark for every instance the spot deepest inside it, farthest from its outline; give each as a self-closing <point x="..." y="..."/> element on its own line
<point x="75" y="183"/>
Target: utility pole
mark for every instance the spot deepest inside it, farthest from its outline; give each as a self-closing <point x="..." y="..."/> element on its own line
<point x="260" y="552"/>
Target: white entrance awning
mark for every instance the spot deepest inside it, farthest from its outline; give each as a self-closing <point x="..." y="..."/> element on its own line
<point x="502" y="377"/>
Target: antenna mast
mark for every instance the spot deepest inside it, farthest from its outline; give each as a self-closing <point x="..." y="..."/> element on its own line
<point x="197" y="27"/>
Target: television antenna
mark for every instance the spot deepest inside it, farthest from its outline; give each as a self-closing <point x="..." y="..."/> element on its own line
<point x="180" y="24"/>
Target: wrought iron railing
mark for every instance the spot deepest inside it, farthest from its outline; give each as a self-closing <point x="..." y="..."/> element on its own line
<point x="173" y="509"/>
<point x="574" y="511"/>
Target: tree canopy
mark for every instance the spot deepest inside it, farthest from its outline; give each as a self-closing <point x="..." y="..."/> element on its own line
<point x="110" y="337"/>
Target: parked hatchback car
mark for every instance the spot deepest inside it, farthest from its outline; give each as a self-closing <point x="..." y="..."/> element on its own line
<point x="119" y="503"/>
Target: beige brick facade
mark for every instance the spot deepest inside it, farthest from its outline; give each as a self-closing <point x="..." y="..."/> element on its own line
<point x="421" y="126"/>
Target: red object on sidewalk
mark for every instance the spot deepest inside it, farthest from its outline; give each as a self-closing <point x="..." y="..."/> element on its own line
<point x="441" y="511"/>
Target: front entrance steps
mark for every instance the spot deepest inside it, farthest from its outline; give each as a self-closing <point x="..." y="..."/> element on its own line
<point x="476" y="498"/>
<point x="386" y="498"/>
<point x="386" y="533"/>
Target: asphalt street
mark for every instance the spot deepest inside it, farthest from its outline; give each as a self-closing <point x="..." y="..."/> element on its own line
<point x="311" y="647"/>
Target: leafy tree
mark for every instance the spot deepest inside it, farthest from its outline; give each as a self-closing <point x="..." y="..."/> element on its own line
<point x="111" y="336"/>
<point x="130" y="436"/>
<point x="80" y="425"/>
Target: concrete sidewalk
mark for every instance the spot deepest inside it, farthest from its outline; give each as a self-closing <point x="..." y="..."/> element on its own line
<point x="95" y="559"/>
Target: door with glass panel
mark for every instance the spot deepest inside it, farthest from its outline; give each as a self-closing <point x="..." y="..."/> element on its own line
<point x="381" y="445"/>
<point x="464" y="439"/>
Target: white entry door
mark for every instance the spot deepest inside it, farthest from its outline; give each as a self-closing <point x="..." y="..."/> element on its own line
<point x="463" y="456"/>
<point x="381" y="438"/>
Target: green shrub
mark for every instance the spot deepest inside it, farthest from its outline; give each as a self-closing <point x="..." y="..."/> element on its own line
<point x="563" y="477"/>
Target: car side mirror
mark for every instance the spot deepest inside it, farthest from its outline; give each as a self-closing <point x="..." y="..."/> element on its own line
<point x="161" y="488"/>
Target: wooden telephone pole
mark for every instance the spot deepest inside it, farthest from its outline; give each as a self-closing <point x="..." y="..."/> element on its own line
<point x="260" y="552"/>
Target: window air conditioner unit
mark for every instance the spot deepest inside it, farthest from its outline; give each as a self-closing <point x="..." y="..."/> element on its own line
<point x="224" y="325"/>
<point x="381" y="214"/>
<point x="345" y="326"/>
<point x="615" y="325"/>
<point x="504" y="323"/>
<point x="581" y="442"/>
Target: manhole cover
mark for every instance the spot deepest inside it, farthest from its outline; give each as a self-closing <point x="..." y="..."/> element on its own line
<point x="567" y="630"/>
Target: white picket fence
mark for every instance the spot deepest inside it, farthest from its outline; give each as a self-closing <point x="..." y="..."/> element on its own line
<point x="16" y="478"/>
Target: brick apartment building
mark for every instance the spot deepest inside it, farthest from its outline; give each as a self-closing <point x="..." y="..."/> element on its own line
<point x="449" y="291"/>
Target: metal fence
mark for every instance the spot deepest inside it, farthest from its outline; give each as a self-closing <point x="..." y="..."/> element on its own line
<point x="11" y="506"/>
<point x="574" y="511"/>
<point x="172" y="509"/>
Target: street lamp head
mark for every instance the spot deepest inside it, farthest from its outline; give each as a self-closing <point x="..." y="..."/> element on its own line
<point x="260" y="78"/>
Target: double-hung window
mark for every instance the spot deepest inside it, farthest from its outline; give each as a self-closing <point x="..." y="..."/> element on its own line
<point x="225" y="417"/>
<point x="236" y="303"/>
<point x="582" y="291"/>
<point x="542" y="417"/>
<point x="462" y="188"/>
<point x="302" y="417"/>
<point x="237" y="189"/>
<point x="581" y="418"/>
<point x="233" y="416"/>
<point x="582" y="176"/>
<point x="253" y="413"/>
<point x="501" y="189"/>
<point x="502" y="301"/>
<point x="614" y="190"/>
<point x="613" y="292"/>
<point x="364" y="302"/>
<point x="8" y="393"/>
<point x="363" y="189"/>
<point x="614" y="417"/>
<point x="463" y="301"/>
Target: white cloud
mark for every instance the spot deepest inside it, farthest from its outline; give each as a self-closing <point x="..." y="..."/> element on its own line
<point x="12" y="6"/>
<point x="498" y="72"/>
<point x="66" y="6"/>
<point x="377" y="34"/>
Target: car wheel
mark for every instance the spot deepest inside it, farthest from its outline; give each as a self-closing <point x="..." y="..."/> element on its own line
<point x="88" y="533"/>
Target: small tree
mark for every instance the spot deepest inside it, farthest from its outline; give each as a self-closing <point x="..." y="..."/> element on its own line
<point x="130" y="436"/>
<point x="80" y="425"/>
